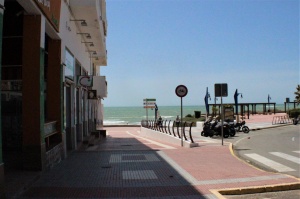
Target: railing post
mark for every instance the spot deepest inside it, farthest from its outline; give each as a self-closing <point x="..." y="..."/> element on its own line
<point x="173" y="129"/>
<point x="192" y="141"/>
<point x="178" y="130"/>
<point x="163" y="126"/>
<point x="166" y="127"/>
<point x="160" y="126"/>
<point x="169" y="127"/>
<point x="183" y="131"/>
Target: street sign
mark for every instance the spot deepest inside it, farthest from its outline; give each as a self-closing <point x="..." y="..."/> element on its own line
<point x="221" y="90"/>
<point x="86" y="80"/>
<point x="149" y="103"/>
<point x="149" y="100"/>
<point x="181" y="91"/>
<point x="149" y="107"/>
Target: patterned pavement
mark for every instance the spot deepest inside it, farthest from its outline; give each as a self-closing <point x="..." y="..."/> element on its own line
<point x="126" y="165"/>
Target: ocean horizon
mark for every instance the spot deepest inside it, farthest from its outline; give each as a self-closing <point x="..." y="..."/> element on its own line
<point x="133" y="115"/>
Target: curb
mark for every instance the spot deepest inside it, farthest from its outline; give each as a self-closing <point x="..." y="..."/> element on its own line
<point x="269" y="127"/>
<point x="257" y="189"/>
<point x="219" y="193"/>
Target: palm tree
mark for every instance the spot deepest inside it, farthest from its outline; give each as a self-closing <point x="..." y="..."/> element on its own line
<point x="297" y="93"/>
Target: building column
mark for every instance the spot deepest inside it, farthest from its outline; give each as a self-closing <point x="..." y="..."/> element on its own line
<point x="55" y="94"/>
<point x="33" y="117"/>
<point x="2" y="191"/>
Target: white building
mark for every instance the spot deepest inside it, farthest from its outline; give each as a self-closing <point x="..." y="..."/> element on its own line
<point x="47" y="45"/>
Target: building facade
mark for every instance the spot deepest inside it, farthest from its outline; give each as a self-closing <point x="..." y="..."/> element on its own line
<point x="51" y="89"/>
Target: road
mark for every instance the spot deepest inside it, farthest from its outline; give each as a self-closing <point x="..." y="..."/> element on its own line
<point x="271" y="149"/>
<point x="274" y="145"/>
<point x="274" y="149"/>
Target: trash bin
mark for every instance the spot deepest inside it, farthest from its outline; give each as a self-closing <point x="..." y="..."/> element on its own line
<point x="197" y="114"/>
<point x="103" y="133"/>
<point x="99" y="133"/>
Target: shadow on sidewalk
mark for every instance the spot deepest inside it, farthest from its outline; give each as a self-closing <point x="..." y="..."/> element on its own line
<point x="119" y="166"/>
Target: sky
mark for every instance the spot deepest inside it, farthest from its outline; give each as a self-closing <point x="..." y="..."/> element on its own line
<point x="155" y="45"/>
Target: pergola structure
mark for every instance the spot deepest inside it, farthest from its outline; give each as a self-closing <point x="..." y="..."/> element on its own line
<point x="244" y="107"/>
<point x="288" y="103"/>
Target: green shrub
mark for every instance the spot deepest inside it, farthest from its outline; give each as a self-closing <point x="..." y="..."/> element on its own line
<point x="188" y="115"/>
<point x="294" y="113"/>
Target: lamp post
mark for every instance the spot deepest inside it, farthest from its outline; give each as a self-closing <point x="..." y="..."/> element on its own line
<point x="269" y="98"/>
<point x="236" y="94"/>
<point x="207" y="96"/>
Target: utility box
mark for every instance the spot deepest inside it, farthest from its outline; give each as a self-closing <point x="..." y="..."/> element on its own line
<point x="228" y="113"/>
<point x="100" y="85"/>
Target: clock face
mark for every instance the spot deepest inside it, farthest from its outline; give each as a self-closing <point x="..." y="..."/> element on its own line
<point x="181" y="91"/>
<point x="91" y="94"/>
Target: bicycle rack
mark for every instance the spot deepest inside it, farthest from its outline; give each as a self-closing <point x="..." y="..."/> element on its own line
<point x="183" y="131"/>
<point x="164" y="128"/>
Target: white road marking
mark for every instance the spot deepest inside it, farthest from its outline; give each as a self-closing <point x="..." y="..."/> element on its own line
<point x="270" y="163"/>
<point x="296" y="151"/>
<point x="151" y="141"/>
<point x="287" y="157"/>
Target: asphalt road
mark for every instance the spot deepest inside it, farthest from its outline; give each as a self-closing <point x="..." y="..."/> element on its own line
<point x="274" y="149"/>
<point x="283" y="139"/>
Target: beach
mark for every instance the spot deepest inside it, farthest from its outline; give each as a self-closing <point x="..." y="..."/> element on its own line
<point x="135" y="114"/>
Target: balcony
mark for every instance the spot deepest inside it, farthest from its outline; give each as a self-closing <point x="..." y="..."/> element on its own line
<point x="93" y="13"/>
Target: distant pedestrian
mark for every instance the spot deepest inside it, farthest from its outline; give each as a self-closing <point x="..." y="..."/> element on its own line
<point x="177" y="121"/>
<point x="159" y="122"/>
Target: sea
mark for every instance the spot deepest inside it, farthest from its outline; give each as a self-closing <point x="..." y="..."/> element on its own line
<point x="135" y="114"/>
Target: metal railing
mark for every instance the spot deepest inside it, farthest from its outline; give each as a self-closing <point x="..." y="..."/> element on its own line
<point x="171" y="128"/>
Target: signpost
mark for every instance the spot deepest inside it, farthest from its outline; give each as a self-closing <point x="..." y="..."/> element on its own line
<point x="221" y="90"/>
<point x="149" y="103"/>
<point x="181" y="91"/>
<point x="92" y="94"/>
<point x="86" y="81"/>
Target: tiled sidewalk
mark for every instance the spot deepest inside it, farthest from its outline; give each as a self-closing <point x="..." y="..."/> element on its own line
<point x="126" y="165"/>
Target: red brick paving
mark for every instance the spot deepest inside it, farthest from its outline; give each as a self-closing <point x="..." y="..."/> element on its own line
<point x="260" y="118"/>
<point x="214" y="162"/>
<point x="208" y="165"/>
